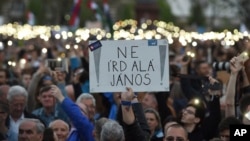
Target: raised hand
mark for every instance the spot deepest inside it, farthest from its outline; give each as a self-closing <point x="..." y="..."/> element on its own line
<point x="56" y="92"/>
<point x="128" y="95"/>
<point x="236" y="65"/>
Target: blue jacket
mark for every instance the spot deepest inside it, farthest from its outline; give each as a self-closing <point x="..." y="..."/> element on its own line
<point x="84" y="127"/>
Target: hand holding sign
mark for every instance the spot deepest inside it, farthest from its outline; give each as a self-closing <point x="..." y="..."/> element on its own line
<point x="139" y="64"/>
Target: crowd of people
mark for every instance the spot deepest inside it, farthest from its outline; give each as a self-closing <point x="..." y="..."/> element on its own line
<point x="40" y="104"/>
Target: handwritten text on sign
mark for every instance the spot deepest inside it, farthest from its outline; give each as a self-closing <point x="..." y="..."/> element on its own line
<point x="139" y="64"/>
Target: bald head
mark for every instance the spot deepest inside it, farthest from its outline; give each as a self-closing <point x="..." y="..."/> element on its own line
<point x="61" y="129"/>
<point x="59" y="122"/>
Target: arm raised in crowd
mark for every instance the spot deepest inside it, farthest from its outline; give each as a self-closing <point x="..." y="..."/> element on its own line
<point x="82" y="124"/>
<point x="235" y="66"/>
<point x="135" y="126"/>
<point x="31" y="104"/>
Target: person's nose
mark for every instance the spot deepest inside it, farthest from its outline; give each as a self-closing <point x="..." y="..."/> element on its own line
<point x="19" y="107"/>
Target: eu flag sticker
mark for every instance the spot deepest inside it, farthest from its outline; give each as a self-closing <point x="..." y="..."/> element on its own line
<point x="152" y="42"/>
<point x="95" y="45"/>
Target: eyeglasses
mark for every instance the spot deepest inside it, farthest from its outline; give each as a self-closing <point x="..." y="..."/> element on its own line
<point x="188" y="111"/>
<point x="171" y="138"/>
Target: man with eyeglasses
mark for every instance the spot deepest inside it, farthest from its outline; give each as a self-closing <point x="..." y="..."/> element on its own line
<point x="191" y="119"/>
<point x="175" y="132"/>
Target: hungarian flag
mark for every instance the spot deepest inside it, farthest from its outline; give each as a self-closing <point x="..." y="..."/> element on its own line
<point x="74" y="18"/>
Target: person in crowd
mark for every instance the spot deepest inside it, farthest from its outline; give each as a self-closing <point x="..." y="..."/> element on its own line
<point x="49" y="135"/>
<point x="82" y="128"/>
<point x="31" y="130"/>
<point x="224" y="127"/>
<point x="193" y="86"/>
<point x="216" y="139"/>
<point x="4" y="113"/>
<point x="98" y="127"/>
<point x="26" y="76"/>
<point x="4" y="91"/>
<point x="149" y="101"/>
<point x="132" y="117"/>
<point x="39" y="79"/>
<point x="80" y="83"/>
<point x="175" y="132"/>
<point x="191" y="119"/>
<point x="88" y="100"/>
<point x="3" y="76"/>
<point x="170" y="120"/>
<point x="50" y="110"/>
<point x="154" y="123"/>
<point x="112" y="131"/>
<point x="176" y="95"/>
<point x="17" y="98"/>
<point x="236" y="65"/>
<point x="60" y="128"/>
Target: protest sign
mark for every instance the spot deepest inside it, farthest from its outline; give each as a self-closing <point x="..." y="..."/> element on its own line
<point x="140" y="64"/>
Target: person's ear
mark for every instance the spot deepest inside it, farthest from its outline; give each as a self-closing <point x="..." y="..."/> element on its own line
<point x="197" y="120"/>
<point x="248" y="108"/>
<point x="39" y="98"/>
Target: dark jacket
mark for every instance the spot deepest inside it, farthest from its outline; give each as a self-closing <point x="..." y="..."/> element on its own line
<point x="212" y="120"/>
<point x="194" y="86"/>
<point x="139" y="130"/>
<point x="196" y="135"/>
<point x="208" y="128"/>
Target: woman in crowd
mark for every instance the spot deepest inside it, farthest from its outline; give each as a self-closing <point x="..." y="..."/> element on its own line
<point x="154" y="123"/>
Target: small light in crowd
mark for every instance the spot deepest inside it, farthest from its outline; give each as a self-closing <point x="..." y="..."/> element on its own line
<point x="22" y="61"/>
<point x="75" y="46"/>
<point x="108" y="35"/>
<point x="44" y="50"/>
<point x="99" y="37"/>
<point x="194" y="44"/>
<point x="245" y="33"/>
<point x="67" y="46"/>
<point x="64" y="37"/>
<point x="9" y="63"/>
<point x="192" y="55"/>
<point x="196" y="101"/>
<point x="10" y="43"/>
<point x="189" y="53"/>
<point x="70" y="34"/>
<point x="57" y="36"/>
<point x="245" y="53"/>
<point x="59" y="59"/>
<point x="13" y="64"/>
<point x="1" y="46"/>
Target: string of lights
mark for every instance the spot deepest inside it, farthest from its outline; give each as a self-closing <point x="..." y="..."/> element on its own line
<point x="126" y="30"/>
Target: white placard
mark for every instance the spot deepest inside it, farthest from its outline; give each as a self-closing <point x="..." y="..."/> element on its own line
<point x="140" y="64"/>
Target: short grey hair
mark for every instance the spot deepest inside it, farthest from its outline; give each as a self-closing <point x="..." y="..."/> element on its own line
<point x="112" y="131"/>
<point x="16" y="91"/>
<point x="38" y="124"/>
<point x="53" y="122"/>
<point x="86" y="96"/>
<point x="98" y="127"/>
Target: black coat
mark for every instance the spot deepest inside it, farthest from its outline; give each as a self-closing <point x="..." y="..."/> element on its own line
<point x="139" y="130"/>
